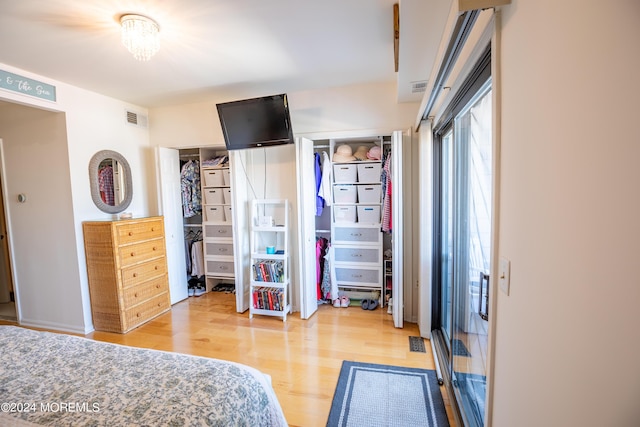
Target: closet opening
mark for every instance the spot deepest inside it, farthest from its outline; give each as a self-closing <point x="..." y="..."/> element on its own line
<point x="206" y="200"/>
<point x="349" y="218"/>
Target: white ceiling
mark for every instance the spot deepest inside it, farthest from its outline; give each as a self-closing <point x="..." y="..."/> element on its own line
<point x="223" y="48"/>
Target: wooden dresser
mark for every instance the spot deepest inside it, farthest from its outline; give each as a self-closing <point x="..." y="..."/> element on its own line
<point x="127" y="270"/>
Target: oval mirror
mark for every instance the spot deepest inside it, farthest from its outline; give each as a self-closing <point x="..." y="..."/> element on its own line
<point x="110" y="178"/>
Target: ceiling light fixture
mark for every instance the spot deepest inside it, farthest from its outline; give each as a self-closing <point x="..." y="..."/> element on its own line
<point x="140" y="35"/>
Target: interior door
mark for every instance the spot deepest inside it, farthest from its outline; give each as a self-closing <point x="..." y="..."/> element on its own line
<point x="241" y="215"/>
<point x="170" y="206"/>
<point x="307" y="227"/>
<point x="398" y="140"/>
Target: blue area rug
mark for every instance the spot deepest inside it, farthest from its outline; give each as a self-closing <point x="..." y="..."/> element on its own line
<point x="382" y="395"/>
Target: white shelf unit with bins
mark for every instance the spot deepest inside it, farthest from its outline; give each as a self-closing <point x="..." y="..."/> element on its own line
<point x="270" y="291"/>
<point x="217" y="219"/>
<point x="356" y="215"/>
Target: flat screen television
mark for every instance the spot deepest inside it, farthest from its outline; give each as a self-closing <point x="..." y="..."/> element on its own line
<point x="256" y="122"/>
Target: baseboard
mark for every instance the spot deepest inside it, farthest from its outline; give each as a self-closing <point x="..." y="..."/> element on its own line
<point x="53" y="326"/>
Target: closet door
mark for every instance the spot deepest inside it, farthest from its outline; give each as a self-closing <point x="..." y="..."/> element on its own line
<point x="399" y="139"/>
<point x="170" y="206"/>
<point x="307" y="227"/>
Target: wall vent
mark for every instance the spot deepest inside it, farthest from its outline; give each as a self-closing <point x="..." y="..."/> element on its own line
<point x="136" y="119"/>
<point x="419" y="86"/>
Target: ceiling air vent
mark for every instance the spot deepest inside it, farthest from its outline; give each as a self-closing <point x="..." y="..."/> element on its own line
<point x="136" y="119"/>
<point x="419" y="86"/>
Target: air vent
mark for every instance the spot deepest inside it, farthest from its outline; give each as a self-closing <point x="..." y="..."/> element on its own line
<point x="136" y="119"/>
<point x="419" y="86"/>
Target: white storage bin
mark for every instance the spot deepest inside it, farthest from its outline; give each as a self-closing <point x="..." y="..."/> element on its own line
<point x="213" y="213"/>
<point x="227" y="195"/>
<point x="369" y="172"/>
<point x="213" y="196"/>
<point x="369" y="214"/>
<point x="226" y="176"/>
<point x="213" y="178"/>
<point x="227" y="214"/>
<point x="344" y="214"/>
<point x="369" y="193"/>
<point x="344" y="194"/>
<point x="345" y="173"/>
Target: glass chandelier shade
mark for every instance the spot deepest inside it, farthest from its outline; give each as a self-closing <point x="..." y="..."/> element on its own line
<point x="140" y="35"/>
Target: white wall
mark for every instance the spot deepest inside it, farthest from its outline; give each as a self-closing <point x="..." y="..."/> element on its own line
<point x="358" y="110"/>
<point x="568" y="335"/>
<point x="53" y="150"/>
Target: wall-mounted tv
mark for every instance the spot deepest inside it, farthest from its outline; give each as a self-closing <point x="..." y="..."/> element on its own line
<point x="256" y="122"/>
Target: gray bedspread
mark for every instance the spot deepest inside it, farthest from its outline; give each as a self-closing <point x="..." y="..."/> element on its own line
<point x="63" y="380"/>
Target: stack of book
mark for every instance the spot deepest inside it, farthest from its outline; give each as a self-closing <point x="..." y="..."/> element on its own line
<point x="266" y="298"/>
<point x="268" y="271"/>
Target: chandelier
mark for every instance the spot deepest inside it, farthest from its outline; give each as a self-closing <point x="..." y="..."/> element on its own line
<point x="140" y="36"/>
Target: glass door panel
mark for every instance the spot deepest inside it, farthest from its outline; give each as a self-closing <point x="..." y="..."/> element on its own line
<point x="446" y="245"/>
<point x="472" y="231"/>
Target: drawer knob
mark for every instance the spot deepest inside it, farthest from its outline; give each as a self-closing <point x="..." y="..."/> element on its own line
<point x="133" y="254"/>
<point x="135" y="295"/>
<point x="154" y="248"/>
<point x="135" y="274"/>
<point x="356" y="275"/>
<point x="158" y="286"/>
<point x="131" y="233"/>
<point x="138" y="314"/>
<point x="156" y="267"/>
<point x="356" y="255"/>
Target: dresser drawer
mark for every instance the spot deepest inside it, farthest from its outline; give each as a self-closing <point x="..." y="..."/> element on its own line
<point x="218" y="231"/>
<point x="138" y="231"/>
<point x="218" y="249"/>
<point x="351" y="234"/>
<point x="145" y="311"/>
<point x="139" y="293"/>
<point x="358" y="254"/>
<point x="358" y="276"/>
<point x="133" y="254"/>
<point x="219" y="267"/>
<point x="142" y="272"/>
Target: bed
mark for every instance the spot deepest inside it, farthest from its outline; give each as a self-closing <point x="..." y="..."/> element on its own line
<point x="57" y="379"/>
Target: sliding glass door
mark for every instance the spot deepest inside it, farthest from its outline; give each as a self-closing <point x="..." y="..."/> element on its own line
<point x="464" y="246"/>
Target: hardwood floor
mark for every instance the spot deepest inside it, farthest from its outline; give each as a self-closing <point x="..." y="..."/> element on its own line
<point x="303" y="357"/>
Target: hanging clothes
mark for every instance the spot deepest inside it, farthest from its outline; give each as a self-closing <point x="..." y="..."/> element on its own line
<point x="197" y="259"/>
<point x="326" y="276"/>
<point x="190" y="187"/>
<point x="318" y="176"/>
<point x="105" y="182"/>
<point x="325" y="183"/>
<point x="386" y="201"/>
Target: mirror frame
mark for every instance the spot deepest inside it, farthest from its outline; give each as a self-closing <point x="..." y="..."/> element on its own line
<point x="95" y="186"/>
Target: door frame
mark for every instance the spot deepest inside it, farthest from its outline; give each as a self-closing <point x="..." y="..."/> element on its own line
<point x="5" y="217"/>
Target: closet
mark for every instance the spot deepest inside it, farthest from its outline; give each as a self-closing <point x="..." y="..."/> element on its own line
<point x="206" y="196"/>
<point x="351" y="220"/>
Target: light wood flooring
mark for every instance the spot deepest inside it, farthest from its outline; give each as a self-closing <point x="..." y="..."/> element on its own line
<point x="303" y="357"/>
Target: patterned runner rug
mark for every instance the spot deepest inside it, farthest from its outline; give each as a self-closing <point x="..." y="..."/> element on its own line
<point x="382" y="395"/>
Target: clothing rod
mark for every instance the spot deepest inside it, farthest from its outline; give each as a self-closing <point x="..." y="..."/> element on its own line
<point x="321" y="146"/>
<point x="189" y="155"/>
<point x="323" y="231"/>
<point x="192" y="225"/>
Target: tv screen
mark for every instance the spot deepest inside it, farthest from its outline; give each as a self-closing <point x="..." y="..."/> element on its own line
<point x="256" y="122"/>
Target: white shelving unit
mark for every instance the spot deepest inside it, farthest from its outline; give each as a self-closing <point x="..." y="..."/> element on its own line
<point x="217" y="220"/>
<point x="270" y="291"/>
<point x="355" y="225"/>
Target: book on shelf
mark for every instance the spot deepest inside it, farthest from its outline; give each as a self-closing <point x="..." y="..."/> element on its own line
<point x="265" y="298"/>
<point x="268" y="271"/>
